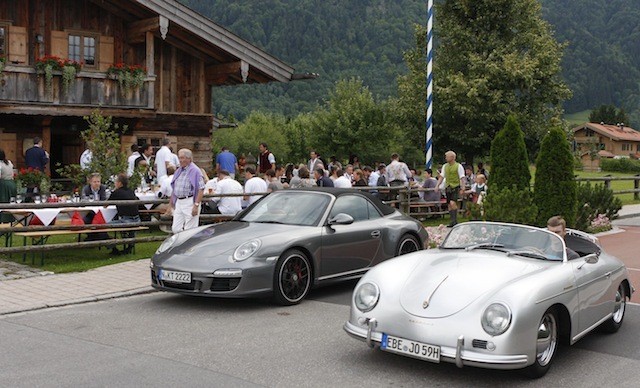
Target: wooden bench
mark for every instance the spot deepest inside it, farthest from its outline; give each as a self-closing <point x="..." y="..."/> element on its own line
<point x="42" y="236"/>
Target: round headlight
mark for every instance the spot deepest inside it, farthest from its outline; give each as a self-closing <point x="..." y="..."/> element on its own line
<point x="366" y="297"/>
<point x="167" y="244"/>
<point x="245" y="250"/>
<point x="496" y="319"/>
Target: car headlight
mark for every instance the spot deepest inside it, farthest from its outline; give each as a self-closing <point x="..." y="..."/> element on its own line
<point x="366" y="297"/>
<point x="245" y="250"/>
<point x="496" y="319"/>
<point x="167" y="244"/>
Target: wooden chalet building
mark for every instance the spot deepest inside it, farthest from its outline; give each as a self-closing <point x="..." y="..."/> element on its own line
<point x="183" y="55"/>
<point x="594" y="141"/>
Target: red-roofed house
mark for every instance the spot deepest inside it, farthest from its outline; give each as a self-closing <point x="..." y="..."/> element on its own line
<point x="594" y="141"/>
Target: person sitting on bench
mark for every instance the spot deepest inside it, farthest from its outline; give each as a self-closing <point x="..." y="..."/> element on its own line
<point x="126" y="213"/>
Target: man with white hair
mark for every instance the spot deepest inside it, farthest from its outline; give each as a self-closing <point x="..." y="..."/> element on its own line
<point x="188" y="188"/>
<point x="453" y="175"/>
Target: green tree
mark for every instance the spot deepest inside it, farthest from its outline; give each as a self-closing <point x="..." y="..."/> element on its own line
<point x="509" y="160"/>
<point x="609" y="115"/>
<point x="555" y="186"/>
<point x="351" y="122"/>
<point x="495" y="57"/>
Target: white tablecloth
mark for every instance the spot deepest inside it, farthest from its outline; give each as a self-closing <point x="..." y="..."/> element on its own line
<point x="148" y="195"/>
<point x="46" y="216"/>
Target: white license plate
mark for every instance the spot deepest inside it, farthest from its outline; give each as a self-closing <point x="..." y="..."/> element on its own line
<point x="174" y="276"/>
<point x="410" y="348"/>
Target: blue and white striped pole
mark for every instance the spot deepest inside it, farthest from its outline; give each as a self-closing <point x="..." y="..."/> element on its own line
<point x="429" y="145"/>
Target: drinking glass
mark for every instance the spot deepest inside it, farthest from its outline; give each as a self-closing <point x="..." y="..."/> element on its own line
<point x="12" y="200"/>
<point x="19" y="198"/>
<point x="37" y="199"/>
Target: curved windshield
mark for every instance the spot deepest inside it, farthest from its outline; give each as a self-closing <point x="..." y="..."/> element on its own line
<point x="512" y="239"/>
<point x="289" y="207"/>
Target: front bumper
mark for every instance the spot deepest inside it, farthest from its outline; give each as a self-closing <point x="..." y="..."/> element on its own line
<point x="458" y="353"/>
<point x="253" y="282"/>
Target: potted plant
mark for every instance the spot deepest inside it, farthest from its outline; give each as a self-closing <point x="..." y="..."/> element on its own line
<point x="31" y="178"/>
<point x="50" y="63"/>
<point x="130" y="77"/>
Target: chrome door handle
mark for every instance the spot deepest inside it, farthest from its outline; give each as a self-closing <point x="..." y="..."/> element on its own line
<point x="375" y="234"/>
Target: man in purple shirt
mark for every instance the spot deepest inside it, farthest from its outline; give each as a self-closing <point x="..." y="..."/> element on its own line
<point x="188" y="188"/>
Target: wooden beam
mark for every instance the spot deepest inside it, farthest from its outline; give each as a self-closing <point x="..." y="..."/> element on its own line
<point x="150" y="42"/>
<point x="213" y="74"/>
<point x="136" y="31"/>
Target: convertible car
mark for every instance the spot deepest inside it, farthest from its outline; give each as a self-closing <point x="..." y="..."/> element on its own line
<point x="492" y="295"/>
<point x="284" y="244"/>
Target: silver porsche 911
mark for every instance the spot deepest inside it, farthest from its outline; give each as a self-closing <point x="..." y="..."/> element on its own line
<point x="284" y="244"/>
<point x="492" y="295"/>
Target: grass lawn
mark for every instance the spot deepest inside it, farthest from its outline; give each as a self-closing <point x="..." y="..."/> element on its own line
<point x="77" y="260"/>
<point x="627" y="199"/>
<point x="577" y="118"/>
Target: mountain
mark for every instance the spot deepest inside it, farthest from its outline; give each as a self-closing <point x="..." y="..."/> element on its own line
<point x="341" y="39"/>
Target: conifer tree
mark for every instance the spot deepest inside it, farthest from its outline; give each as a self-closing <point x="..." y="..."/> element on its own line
<point x="509" y="158"/>
<point x="555" y="186"/>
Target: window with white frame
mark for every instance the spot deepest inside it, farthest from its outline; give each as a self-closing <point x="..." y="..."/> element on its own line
<point x="82" y="48"/>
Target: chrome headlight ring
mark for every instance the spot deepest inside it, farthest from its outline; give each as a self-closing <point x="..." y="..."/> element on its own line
<point x="246" y="250"/>
<point x="366" y="297"/>
<point x="496" y="319"/>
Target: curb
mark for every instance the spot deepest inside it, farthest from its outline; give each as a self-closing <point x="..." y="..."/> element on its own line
<point x="69" y="302"/>
<point x="628" y="216"/>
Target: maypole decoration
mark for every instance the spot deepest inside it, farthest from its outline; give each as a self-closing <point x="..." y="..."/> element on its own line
<point x="429" y="146"/>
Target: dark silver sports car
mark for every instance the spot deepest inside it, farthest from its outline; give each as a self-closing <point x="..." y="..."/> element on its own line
<point x="284" y="244"/>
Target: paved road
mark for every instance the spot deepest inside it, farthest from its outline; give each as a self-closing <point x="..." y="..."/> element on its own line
<point x="162" y="339"/>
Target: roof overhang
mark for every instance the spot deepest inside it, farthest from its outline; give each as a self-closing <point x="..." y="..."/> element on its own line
<point x="229" y="59"/>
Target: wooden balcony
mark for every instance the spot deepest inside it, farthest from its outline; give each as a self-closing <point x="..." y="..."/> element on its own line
<point x="22" y="88"/>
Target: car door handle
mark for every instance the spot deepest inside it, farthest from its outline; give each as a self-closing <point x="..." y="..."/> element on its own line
<point x="375" y="234"/>
<point x="608" y="274"/>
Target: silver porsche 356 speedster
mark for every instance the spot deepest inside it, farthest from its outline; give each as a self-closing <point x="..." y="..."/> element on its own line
<point x="284" y="244"/>
<point x="492" y="295"/>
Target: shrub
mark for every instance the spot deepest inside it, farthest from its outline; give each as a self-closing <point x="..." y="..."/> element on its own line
<point x="510" y="205"/>
<point x="555" y="186"/>
<point x="620" y="165"/>
<point x="598" y="200"/>
<point x="509" y="159"/>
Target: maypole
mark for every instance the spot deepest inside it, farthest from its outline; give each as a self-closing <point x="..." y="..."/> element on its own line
<point x="429" y="145"/>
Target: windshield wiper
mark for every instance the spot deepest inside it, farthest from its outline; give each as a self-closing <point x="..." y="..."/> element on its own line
<point x="531" y="254"/>
<point x="484" y="246"/>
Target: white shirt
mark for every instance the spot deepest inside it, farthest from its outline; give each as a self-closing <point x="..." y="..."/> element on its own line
<point x="162" y="157"/>
<point x="342" y="182"/>
<point x="228" y="205"/>
<point x="398" y="171"/>
<point x="132" y="161"/>
<point x="254" y="185"/>
<point x="165" y="185"/>
<point x="373" y="178"/>
<point x="175" y="160"/>
<point x="211" y="185"/>
<point x="85" y="159"/>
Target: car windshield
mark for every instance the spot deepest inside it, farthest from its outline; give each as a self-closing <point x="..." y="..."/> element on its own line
<point x="289" y="207"/>
<point x="513" y="239"/>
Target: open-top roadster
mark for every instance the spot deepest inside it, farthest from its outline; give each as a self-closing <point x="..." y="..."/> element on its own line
<point x="493" y="295"/>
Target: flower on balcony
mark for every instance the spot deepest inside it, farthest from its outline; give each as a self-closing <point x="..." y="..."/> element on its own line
<point x="47" y="64"/>
<point x="130" y="77"/>
<point x="31" y="177"/>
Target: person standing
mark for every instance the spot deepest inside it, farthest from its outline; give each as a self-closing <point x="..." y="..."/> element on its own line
<point x="188" y="188"/>
<point x="163" y="157"/>
<point x="131" y="160"/>
<point x="8" y="188"/>
<point x="321" y="179"/>
<point x="266" y="160"/>
<point x="453" y="175"/>
<point x="252" y="184"/>
<point x="314" y="162"/>
<point x="145" y="162"/>
<point x="226" y="160"/>
<point x="36" y="157"/>
<point x="398" y="172"/>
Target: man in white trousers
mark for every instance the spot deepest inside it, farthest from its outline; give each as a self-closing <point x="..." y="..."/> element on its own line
<point x="188" y="187"/>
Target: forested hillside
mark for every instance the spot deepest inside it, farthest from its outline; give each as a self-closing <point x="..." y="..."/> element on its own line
<point x="340" y="39"/>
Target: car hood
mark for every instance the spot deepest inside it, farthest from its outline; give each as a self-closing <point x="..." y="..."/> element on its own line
<point x="452" y="280"/>
<point x="216" y="243"/>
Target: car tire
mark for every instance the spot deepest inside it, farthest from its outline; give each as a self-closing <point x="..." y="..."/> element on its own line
<point x="613" y="324"/>
<point x="407" y="244"/>
<point x="546" y="345"/>
<point x="292" y="278"/>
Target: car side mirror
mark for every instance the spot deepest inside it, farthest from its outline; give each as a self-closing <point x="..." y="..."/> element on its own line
<point x="341" y="219"/>
<point x="591" y="258"/>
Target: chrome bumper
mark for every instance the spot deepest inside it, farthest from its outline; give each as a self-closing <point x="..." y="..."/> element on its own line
<point x="456" y="354"/>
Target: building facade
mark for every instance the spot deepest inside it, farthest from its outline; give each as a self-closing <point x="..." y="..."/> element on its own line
<point x="150" y="64"/>
<point x="594" y="141"/>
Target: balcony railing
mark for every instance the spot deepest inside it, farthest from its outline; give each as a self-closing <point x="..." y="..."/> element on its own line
<point x="22" y="85"/>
